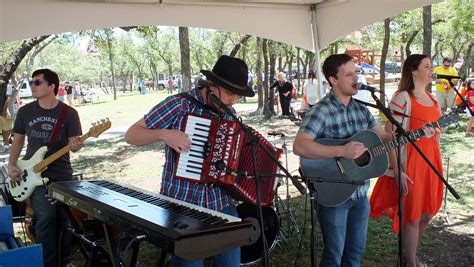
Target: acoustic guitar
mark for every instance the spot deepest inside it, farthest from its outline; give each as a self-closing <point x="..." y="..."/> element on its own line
<point x="373" y="163"/>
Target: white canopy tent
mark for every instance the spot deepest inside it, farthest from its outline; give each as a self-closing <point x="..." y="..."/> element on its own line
<point x="309" y="24"/>
<point x="288" y="21"/>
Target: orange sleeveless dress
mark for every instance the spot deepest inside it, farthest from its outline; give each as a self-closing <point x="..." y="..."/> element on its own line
<point x="425" y="195"/>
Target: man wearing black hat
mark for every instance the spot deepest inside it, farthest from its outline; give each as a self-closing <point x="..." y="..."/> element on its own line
<point x="166" y="122"/>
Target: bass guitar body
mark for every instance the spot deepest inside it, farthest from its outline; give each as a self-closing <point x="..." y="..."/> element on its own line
<point x="30" y="179"/>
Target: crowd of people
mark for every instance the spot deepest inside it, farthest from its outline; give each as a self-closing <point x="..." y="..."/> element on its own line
<point x="335" y="115"/>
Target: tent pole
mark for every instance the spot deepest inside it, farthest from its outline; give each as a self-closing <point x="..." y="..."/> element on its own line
<point x="314" y="27"/>
<point x="314" y="202"/>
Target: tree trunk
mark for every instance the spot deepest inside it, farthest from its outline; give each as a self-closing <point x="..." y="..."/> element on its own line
<point x="170" y="68"/>
<point x="273" y="59"/>
<point x="125" y="81"/>
<point x="268" y="94"/>
<point x="427" y="31"/>
<point x="10" y="66"/>
<point x="111" y="58"/>
<point x="410" y="41"/>
<point x="258" y="75"/>
<point x="35" y="51"/>
<point x="298" y="71"/>
<point x="402" y="55"/>
<point x="468" y="59"/>
<point x="239" y="45"/>
<point x="290" y="66"/>
<point x="312" y="60"/>
<point x="383" y="57"/>
<point x="280" y="63"/>
<point x="436" y="49"/>
<point x="185" y="58"/>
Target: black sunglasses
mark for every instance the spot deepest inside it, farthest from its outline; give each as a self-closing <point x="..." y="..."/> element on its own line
<point x="38" y="82"/>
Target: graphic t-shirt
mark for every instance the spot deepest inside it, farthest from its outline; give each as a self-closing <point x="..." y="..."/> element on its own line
<point x="37" y="124"/>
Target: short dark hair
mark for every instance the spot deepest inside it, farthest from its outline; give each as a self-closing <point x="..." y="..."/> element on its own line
<point x="50" y="76"/>
<point x="332" y="63"/>
<point x="447" y="59"/>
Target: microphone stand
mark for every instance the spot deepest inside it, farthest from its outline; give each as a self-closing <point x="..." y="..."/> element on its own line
<point x="401" y="132"/>
<point x="254" y="140"/>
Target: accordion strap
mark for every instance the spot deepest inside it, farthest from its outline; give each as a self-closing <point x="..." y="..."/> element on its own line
<point x="196" y="102"/>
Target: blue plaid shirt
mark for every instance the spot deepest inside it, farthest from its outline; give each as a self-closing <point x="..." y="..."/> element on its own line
<point x="171" y="114"/>
<point x="330" y="118"/>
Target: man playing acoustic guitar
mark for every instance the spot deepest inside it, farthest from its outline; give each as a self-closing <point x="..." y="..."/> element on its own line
<point x="47" y="122"/>
<point x="339" y="116"/>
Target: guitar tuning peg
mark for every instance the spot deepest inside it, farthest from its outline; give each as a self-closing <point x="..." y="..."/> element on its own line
<point x="97" y="122"/>
<point x="94" y="124"/>
<point x="102" y="120"/>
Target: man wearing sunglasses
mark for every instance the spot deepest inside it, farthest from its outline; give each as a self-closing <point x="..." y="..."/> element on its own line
<point x="51" y="123"/>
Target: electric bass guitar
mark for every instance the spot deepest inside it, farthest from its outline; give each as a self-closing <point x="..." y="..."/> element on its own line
<point x="373" y="163"/>
<point x="32" y="168"/>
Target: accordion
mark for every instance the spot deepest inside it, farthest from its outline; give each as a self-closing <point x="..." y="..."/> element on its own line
<point x="220" y="145"/>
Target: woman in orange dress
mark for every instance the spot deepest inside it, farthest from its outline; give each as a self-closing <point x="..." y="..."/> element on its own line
<point x="422" y="189"/>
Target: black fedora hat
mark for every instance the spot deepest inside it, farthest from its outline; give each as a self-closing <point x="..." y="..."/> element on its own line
<point x="232" y="74"/>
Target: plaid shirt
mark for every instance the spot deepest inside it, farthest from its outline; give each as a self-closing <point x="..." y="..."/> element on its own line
<point x="330" y="118"/>
<point x="171" y="114"/>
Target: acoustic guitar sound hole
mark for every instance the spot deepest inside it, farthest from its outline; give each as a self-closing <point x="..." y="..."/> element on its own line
<point x="363" y="160"/>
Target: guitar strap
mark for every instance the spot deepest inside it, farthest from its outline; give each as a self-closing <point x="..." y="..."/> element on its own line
<point x="59" y="124"/>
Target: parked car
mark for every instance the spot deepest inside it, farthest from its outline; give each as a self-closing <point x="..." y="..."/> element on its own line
<point x="393" y="67"/>
<point x="25" y="89"/>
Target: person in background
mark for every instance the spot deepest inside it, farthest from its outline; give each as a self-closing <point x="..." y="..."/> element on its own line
<point x="444" y="91"/>
<point x="166" y="123"/>
<point x="310" y="90"/>
<point x="61" y="92"/>
<point x="179" y="83"/>
<point x="170" y="85"/>
<point x="284" y="88"/>
<point x="470" y="102"/>
<point x="69" y="89"/>
<point x="77" y="94"/>
<point x="421" y="187"/>
<point x="8" y="115"/>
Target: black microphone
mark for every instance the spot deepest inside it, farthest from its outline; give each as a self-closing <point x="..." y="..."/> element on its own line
<point x="221" y="166"/>
<point x="443" y="76"/>
<point x="361" y="86"/>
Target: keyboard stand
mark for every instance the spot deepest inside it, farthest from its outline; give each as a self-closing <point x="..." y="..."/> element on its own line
<point x="111" y="245"/>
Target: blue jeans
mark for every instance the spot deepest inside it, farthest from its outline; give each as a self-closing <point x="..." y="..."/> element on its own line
<point x="50" y="220"/>
<point x="228" y="258"/>
<point x="344" y="230"/>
